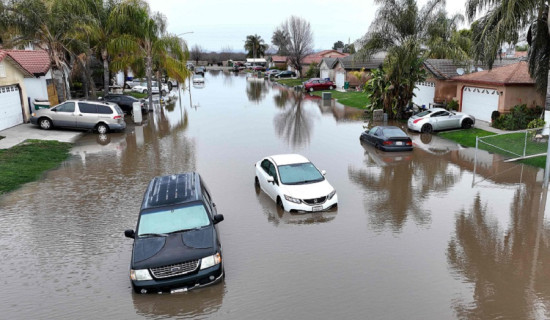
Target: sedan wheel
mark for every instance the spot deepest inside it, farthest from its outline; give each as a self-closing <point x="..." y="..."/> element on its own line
<point x="280" y="203"/>
<point x="310" y="89"/>
<point x="331" y="87"/>
<point x="467" y="123"/>
<point x="144" y="91"/>
<point x="45" y="124"/>
<point x="427" y="128"/>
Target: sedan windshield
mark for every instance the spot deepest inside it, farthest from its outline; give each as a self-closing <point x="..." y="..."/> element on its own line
<point x="300" y="173"/>
<point x="163" y="221"/>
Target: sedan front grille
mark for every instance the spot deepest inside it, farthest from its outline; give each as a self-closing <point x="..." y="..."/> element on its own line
<point x="175" y="270"/>
<point x="316" y="201"/>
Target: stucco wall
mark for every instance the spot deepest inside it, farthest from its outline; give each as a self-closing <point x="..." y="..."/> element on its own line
<point x="445" y="90"/>
<point x="514" y="95"/>
<point x="14" y="76"/>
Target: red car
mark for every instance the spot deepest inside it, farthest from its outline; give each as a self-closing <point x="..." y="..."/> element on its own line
<point x="318" y="84"/>
<point x="258" y="68"/>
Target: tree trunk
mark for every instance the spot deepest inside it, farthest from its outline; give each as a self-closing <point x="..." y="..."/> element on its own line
<point x="85" y="79"/>
<point x="148" y="71"/>
<point x="547" y="104"/>
<point x="159" y="83"/>
<point x="104" y="56"/>
<point x="89" y="75"/>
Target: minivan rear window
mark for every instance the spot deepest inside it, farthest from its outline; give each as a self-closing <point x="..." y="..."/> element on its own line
<point x="104" y="110"/>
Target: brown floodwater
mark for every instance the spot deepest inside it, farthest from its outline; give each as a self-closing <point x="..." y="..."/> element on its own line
<point x="428" y="234"/>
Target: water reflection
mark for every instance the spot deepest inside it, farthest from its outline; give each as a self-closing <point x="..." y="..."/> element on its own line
<point x="294" y="123"/>
<point x="508" y="268"/>
<point x="256" y="89"/>
<point x="201" y="303"/>
<point x="276" y="215"/>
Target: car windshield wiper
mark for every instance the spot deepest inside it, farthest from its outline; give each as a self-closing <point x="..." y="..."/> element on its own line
<point x="153" y="235"/>
<point x="184" y="230"/>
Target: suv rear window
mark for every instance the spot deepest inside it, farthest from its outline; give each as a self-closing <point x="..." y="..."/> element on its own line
<point x="87" y="107"/>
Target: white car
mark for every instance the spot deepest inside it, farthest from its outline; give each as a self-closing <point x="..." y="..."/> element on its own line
<point x="439" y="119"/>
<point x="142" y="88"/>
<point x="294" y="183"/>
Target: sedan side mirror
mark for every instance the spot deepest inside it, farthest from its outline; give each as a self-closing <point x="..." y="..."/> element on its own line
<point x="130" y="233"/>
<point x="270" y="179"/>
<point x="218" y="218"/>
<point x="323" y="172"/>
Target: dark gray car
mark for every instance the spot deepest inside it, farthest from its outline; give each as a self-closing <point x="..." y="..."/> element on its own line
<point x="81" y="114"/>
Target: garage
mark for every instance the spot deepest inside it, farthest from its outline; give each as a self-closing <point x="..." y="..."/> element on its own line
<point x="424" y="94"/>
<point x="11" y="112"/>
<point x="340" y="79"/>
<point x="325" y="74"/>
<point x="480" y="102"/>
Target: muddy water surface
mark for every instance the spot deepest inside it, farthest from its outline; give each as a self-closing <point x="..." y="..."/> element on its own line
<point x="416" y="235"/>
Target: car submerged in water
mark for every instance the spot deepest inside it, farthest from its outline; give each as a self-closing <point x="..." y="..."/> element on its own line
<point x="176" y="243"/>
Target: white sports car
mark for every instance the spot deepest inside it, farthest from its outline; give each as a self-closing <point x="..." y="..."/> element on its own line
<point x="439" y="119"/>
<point x="294" y="183"/>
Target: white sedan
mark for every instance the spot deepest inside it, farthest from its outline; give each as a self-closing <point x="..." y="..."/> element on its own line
<point x="142" y="88"/>
<point x="294" y="183"/>
<point x="439" y="119"/>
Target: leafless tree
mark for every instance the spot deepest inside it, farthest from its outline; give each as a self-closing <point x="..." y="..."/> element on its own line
<point x="196" y="53"/>
<point x="300" y="42"/>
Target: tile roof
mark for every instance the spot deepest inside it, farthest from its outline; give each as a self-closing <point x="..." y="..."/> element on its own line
<point x="330" y="62"/>
<point x="517" y="73"/>
<point x="278" y="58"/>
<point x="447" y="68"/>
<point x="4" y="55"/>
<point x="36" y="62"/>
<point x="317" y="57"/>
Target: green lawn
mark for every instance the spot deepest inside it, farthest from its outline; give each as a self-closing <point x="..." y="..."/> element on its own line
<point x="513" y="142"/>
<point x="290" y="82"/>
<point x="137" y="95"/>
<point x="354" y="99"/>
<point x="27" y="162"/>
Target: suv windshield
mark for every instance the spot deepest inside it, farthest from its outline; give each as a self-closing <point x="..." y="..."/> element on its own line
<point x="300" y="173"/>
<point x="163" y="221"/>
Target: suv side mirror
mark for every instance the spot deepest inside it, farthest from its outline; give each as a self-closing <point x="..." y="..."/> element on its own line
<point x="131" y="234"/>
<point x="218" y="218"/>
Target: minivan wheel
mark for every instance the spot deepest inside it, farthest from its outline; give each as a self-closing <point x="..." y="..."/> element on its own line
<point x="45" y="123"/>
<point x="102" y="128"/>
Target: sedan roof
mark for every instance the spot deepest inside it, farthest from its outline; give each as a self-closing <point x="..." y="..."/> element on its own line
<point x="284" y="159"/>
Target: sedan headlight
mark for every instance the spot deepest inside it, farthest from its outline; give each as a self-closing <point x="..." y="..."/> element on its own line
<point x="140" y="275"/>
<point x="291" y="199"/>
<point x="211" y="261"/>
<point x="330" y="195"/>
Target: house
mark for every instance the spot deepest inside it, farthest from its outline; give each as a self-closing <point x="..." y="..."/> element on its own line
<point x="279" y="62"/>
<point x="502" y="88"/>
<point x="439" y="88"/>
<point x="345" y="69"/>
<point x="317" y="57"/>
<point x="14" y="107"/>
<point x="326" y="68"/>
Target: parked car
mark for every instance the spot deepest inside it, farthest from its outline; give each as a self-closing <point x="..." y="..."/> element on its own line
<point x="81" y="114"/>
<point x="387" y="138"/>
<point x="294" y="183"/>
<point x="176" y="242"/>
<point x="142" y="88"/>
<point x="272" y="72"/>
<point x="318" y="84"/>
<point x="436" y="119"/>
<point x="125" y="102"/>
<point x="198" y="79"/>
<point x="200" y="70"/>
<point x="286" y="74"/>
<point x="257" y="68"/>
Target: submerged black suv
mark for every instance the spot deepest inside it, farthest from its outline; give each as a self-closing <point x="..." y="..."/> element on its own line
<point x="176" y="243"/>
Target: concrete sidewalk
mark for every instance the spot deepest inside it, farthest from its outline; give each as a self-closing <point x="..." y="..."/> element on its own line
<point x="16" y="135"/>
<point x="483" y="125"/>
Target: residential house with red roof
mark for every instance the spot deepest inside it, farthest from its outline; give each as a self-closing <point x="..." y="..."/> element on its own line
<point x="481" y="93"/>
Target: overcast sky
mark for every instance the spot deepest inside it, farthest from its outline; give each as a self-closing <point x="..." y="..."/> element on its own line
<point x="218" y="24"/>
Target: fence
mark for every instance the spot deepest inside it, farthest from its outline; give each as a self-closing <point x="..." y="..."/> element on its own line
<point x="516" y="145"/>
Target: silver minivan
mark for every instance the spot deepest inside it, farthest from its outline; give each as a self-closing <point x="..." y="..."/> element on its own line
<point x="81" y="114"/>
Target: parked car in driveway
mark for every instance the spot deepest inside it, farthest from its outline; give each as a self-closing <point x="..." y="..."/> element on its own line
<point x="286" y="74"/>
<point x="318" y="84"/>
<point x="436" y="119"/>
<point x="294" y="183"/>
<point x="81" y="114"/>
<point x="387" y="138"/>
<point x="125" y="102"/>
<point x="176" y="242"/>
<point x="272" y="72"/>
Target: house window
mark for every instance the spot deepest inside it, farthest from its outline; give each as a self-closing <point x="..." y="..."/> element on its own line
<point x="2" y="70"/>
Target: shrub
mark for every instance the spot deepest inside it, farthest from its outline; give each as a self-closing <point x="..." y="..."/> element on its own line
<point x="536" y="123"/>
<point x="495" y="115"/>
<point x="518" y="119"/>
<point x="312" y="71"/>
<point x="452" y="105"/>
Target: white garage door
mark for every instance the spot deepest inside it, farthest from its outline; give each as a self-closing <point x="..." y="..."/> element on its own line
<point x="424" y="93"/>
<point x="324" y="74"/>
<point x="11" y="113"/>
<point x="340" y="79"/>
<point x="479" y="102"/>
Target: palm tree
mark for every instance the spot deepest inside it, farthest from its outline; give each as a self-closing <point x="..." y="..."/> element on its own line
<point x="401" y="30"/>
<point x="502" y="21"/>
<point x="444" y="41"/>
<point x="255" y="46"/>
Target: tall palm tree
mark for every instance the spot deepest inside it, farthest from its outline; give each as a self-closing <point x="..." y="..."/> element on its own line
<point x="502" y="21"/>
<point x="444" y="41"/>
<point x="255" y="46"/>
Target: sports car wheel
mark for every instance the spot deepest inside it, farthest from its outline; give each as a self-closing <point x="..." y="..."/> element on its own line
<point x="427" y="128"/>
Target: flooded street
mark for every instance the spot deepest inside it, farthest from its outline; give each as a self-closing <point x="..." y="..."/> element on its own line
<point x="416" y="235"/>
